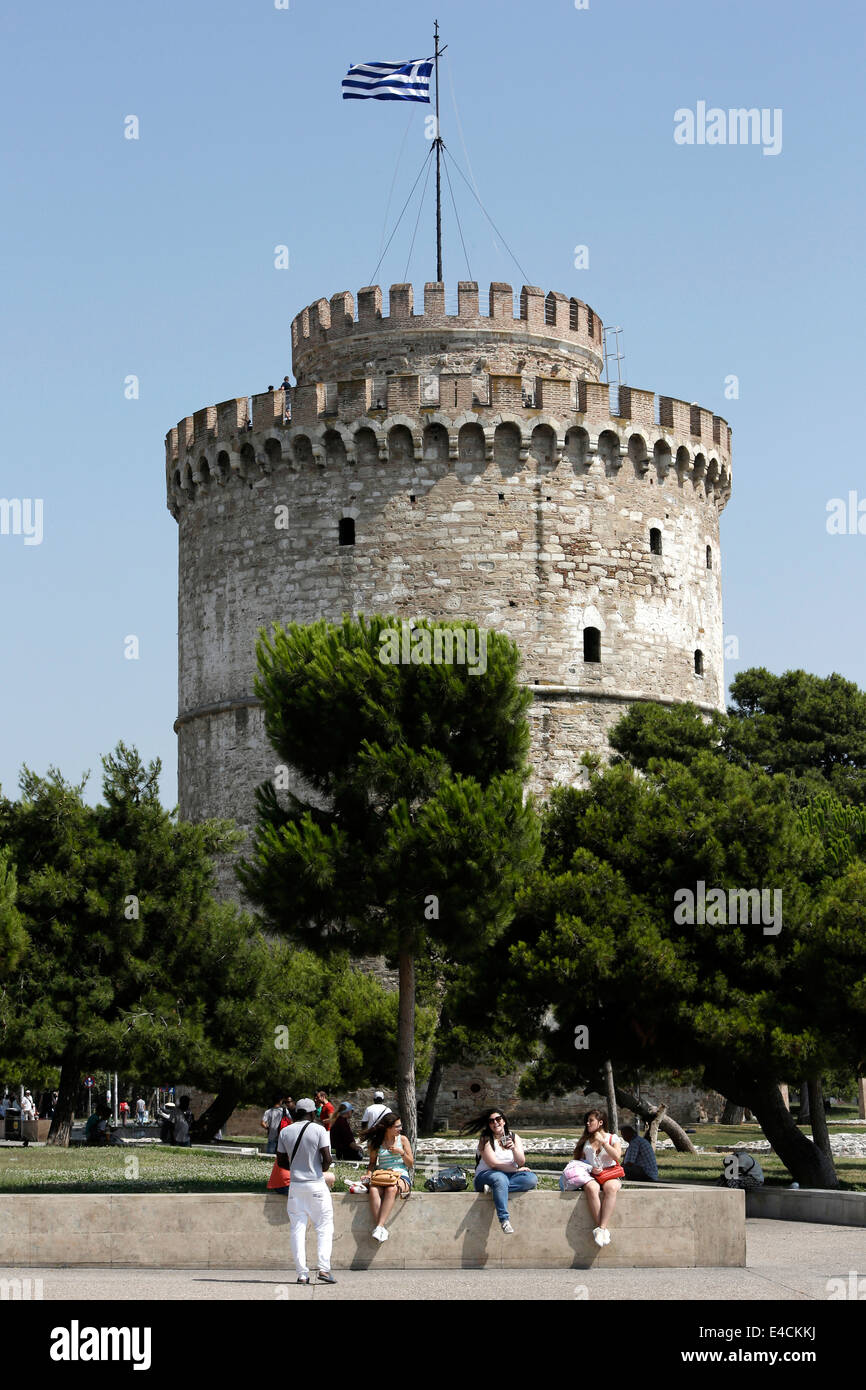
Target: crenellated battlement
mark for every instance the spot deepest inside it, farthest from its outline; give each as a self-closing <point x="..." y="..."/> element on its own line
<point x="554" y="317"/>
<point x="326" y="423"/>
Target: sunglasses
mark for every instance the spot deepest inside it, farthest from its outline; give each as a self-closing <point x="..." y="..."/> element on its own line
<point x="497" y="1119"/>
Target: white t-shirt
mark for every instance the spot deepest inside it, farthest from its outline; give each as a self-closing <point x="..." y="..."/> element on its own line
<point x="373" y="1113"/>
<point x="307" y="1163"/>
<point x="28" y="1109"/>
<point x="602" y="1159"/>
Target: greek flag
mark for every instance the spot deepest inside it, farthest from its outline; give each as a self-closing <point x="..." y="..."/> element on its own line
<point x="389" y="81"/>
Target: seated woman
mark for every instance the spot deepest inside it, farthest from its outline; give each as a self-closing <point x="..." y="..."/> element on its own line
<point x="603" y="1152"/>
<point x="500" y="1163"/>
<point x="343" y="1143"/>
<point x="390" y="1169"/>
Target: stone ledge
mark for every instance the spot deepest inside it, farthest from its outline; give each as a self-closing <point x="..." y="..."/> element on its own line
<point x="808" y="1204"/>
<point x="686" y="1228"/>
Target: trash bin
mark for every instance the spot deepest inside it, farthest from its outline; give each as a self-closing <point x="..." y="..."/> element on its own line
<point x="13" y="1124"/>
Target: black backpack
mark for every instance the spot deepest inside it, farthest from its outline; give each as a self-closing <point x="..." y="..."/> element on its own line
<point x="447" y="1180"/>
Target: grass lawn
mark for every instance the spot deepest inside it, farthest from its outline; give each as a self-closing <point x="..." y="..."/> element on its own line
<point x="164" y="1169"/>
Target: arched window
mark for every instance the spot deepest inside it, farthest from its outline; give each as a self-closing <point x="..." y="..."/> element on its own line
<point x="709" y="557"/>
<point x="347" y="530"/>
<point x="699" y="663"/>
<point x="655" y="540"/>
<point x="591" y="644"/>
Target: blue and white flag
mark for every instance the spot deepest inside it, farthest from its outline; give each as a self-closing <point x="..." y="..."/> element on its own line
<point x="389" y="81"/>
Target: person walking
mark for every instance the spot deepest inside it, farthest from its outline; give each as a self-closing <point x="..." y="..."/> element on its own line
<point x="373" y="1114"/>
<point x="639" y="1160"/>
<point x="500" y="1162"/>
<point x="272" y="1123"/>
<point x="390" y="1171"/>
<point x="178" y="1122"/>
<point x="123" y="1107"/>
<point x="324" y="1109"/>
<point x="602" y="1151"/>
<point x="303" y="1149"/>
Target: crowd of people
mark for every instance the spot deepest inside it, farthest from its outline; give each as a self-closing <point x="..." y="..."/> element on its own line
<point x="308" y="1135"/>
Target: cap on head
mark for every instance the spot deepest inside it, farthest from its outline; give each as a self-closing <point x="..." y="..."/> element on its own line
<point x="305" y="1106"/>
<point x="378" y="1095"/>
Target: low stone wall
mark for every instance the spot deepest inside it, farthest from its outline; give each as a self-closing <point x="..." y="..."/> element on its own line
<point x="674" y="1228"/>
<point x="808" y="1204"/>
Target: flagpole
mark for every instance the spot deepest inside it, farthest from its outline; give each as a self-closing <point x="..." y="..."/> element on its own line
<point x="438" y="161"/>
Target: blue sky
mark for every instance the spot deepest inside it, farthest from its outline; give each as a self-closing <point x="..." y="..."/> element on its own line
<point x="155" y="257"/>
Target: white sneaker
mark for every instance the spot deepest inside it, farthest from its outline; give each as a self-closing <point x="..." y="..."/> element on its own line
<point x="507" y="1228"/>
<point x="606" y="1234"/>
<point x="598" y="1236"/>
<point x="377" y="1232"/>
<point x="385" y="1233"/>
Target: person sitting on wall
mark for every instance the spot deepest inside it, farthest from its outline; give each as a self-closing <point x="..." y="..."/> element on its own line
<point x="602" y="1152"/>
<point x="343" y="1143"/>
<point x="639" y="1160"/>
<point x="500" y="1162"/>
<point x="390" y="1170"/>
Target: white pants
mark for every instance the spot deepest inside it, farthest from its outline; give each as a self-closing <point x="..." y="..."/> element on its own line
<point x="311" y="1201"/>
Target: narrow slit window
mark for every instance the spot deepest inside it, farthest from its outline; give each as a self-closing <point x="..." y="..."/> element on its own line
<point x="709" y="557"/>
<point x="699" y="663"/>
<point x="591" y="644"/>
<point x="655" y="540"/>
<point x="347" y="530"/>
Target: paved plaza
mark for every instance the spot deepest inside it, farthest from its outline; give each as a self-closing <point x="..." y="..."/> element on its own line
<point x="785" y="1260"/>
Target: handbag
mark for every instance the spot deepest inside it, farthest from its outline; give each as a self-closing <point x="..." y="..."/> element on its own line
<point x="384" y="1177"/>
<point x="576" y="1174"/>
<point x="447" y="1180"/>
<point x="603" y="1175"/>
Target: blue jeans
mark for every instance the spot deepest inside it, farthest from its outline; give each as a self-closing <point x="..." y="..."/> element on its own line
<point x="501" y="1184"/>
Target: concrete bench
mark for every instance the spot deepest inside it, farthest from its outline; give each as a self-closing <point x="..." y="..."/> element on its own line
<point x="808" y="1204"/>
<point x="675" y="1228"/>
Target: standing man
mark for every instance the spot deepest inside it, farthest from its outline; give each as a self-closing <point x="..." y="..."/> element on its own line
<point x="304" y="1149"/>
<point x="28" y="1109"/>
<point x="271" y="1122"/>
<point x="374" y="1112"/>
<point x="324" y="1109"/>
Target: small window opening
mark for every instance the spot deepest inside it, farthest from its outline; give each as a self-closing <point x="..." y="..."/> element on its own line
<point x="411" y="497"/>
<point x="655" y="540"/>
<point x="591" y="644"/>
<point x="347" y="530"/>
<point x="699" y="663"/>
<point x="709" y="557"/>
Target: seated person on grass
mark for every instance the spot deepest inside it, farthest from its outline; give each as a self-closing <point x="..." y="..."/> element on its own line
<point x="639" y="1160"/>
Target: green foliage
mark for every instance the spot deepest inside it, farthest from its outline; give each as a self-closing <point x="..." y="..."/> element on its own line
<point x="417" y="774"/>
<point x="601" y="942"/>
<point x="811" y="728"/>
<point x="839" y="826"/>
<point x="13" y="936"/>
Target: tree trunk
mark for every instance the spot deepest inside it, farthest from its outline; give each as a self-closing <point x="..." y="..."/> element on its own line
<point x="682" y="1142"/>
<point x="217" y="1114"/>
<point x="732" y="1114"/>
<point x="431" y="1097"/>
<point x="861" y="1097"/>
<point x="64" y="1110"/>
<point x="653" y="1132"/>
<point x="804" y="1101"/>
<point x="783" y="1089"/>
<point x="406" y="1048"/>
<point x="612" y="1113"/>
<point x="820" y="1132"/>
<point x="804" y="1160"/>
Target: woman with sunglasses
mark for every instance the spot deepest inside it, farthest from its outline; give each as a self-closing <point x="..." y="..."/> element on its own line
<point x="500" y="1162"/>
<point x="603" y="1152"/>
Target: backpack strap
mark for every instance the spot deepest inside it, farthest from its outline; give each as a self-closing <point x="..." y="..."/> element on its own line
<point x="297" y="1142"/>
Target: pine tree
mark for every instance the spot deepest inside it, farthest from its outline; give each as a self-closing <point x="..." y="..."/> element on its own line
<point x="407" y="824"/>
